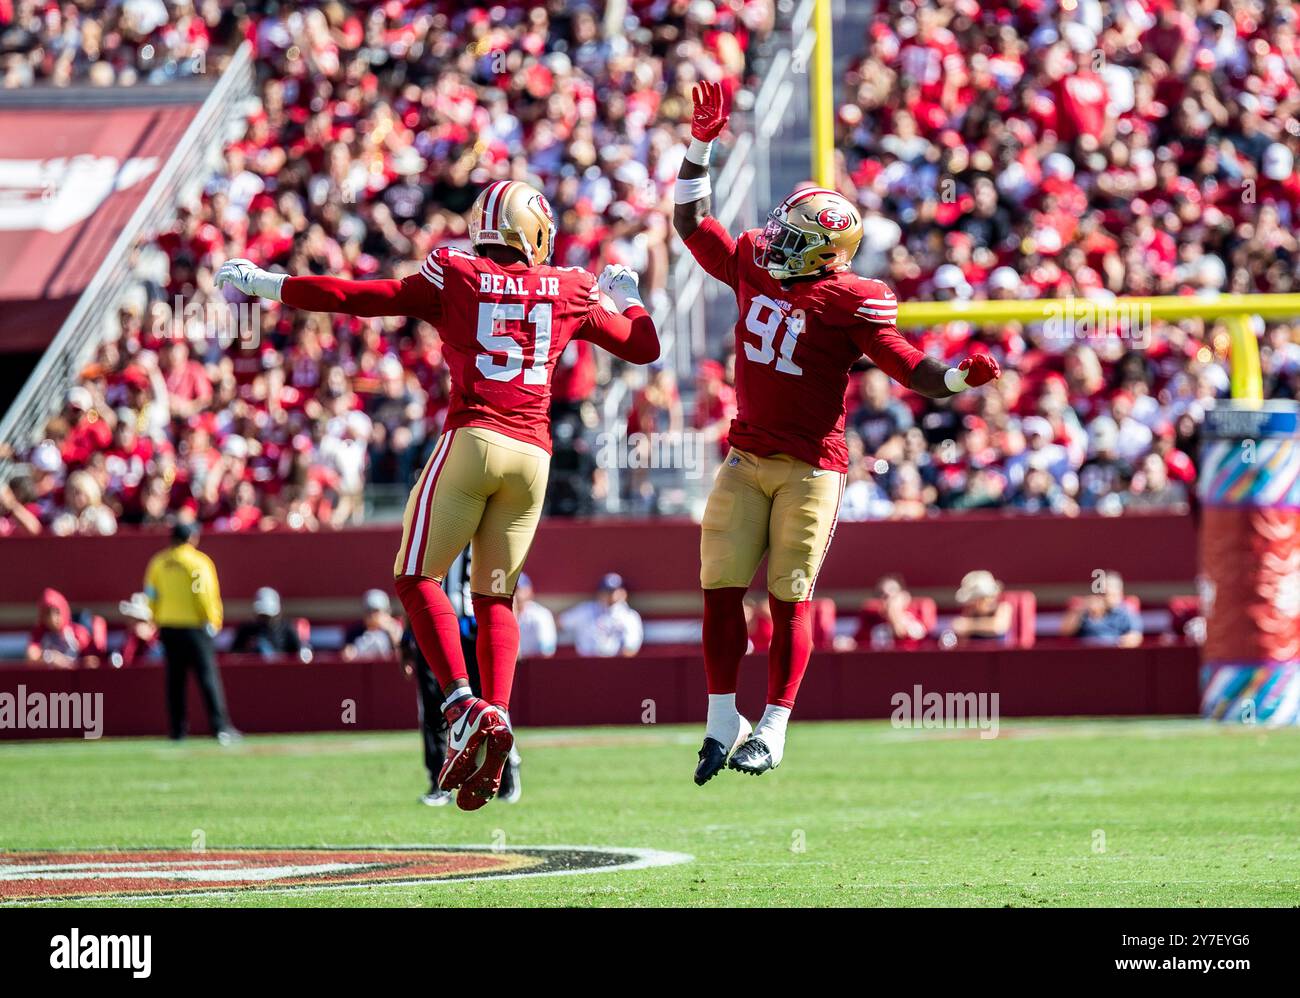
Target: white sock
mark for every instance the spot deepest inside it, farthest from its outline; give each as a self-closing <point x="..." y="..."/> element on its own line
<point x="723" y="723"/>
<point x="458" y="694"/>
<point x="771" y="728"/>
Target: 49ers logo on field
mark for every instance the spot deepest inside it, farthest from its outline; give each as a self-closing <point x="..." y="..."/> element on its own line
<point x="835" y="219"/>
<point x="43" y="876"/>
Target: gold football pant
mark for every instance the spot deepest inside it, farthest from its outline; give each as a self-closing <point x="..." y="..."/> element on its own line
<point x="478" y="486"/>
<point x="776" y="505"/>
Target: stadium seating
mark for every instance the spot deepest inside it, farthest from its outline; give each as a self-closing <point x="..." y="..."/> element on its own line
<point x="1046" y="200"/>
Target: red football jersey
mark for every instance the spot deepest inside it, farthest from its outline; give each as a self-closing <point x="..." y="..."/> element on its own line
<point x="795" y="345"/>
<point x="503" y="327"/>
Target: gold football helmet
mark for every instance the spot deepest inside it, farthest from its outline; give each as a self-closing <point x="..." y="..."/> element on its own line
<point x="813" y="231"/>
<point x="512" y="213"/>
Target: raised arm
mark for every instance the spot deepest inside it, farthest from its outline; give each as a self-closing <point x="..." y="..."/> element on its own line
<point x="331" y="294"/>
<point x="693" y="192"/>
<point x="630" y="335"/>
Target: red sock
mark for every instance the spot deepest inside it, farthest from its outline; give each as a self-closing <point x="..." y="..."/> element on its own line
<point x="787" y="659"/>
<point x="725" y="637"/>
<point x="435" y="626"/>
<point x="498" y="646"/>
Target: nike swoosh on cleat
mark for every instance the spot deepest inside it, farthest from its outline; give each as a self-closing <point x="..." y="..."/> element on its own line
<point x="464" y="724"/>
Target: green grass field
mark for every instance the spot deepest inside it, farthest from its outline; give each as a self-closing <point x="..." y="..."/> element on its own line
<point x="1170" y="812"/>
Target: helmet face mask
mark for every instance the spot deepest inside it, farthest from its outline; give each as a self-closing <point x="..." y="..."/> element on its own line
<point x="812" y="232"/>
<point x="512" y="213"/>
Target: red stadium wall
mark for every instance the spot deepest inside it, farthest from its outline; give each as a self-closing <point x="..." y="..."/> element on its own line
<point x="569" y="690"/>
<point x="325" y="573"/>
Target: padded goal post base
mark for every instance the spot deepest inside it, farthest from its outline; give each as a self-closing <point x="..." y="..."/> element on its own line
<point x="1249" y="490"/>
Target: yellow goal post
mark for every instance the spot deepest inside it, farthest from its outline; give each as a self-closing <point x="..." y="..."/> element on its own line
<point x="1126" y="314"/>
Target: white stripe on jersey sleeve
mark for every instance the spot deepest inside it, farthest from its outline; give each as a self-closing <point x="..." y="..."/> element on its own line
<point x="432" y="271"/>
<point x="432" y="278"/>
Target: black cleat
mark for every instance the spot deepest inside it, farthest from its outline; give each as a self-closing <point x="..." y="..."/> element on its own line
<point x="713" y="760"/>
<point x="754" y="757"/>
<point x="713" y="754"/>
<point x="512" y="787"/>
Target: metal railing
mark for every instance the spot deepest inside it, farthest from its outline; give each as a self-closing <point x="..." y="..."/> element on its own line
<point x="191" y="163"/>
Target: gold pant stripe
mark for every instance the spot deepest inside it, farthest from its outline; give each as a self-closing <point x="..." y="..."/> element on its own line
<point x="412" y="532"/>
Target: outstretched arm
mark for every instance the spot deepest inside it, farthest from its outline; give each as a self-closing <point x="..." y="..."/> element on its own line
<point x="876" y="336"/>
<point x="630" y="335"/>
<point x="329" y="294"/>
<point x="937" y="380"/>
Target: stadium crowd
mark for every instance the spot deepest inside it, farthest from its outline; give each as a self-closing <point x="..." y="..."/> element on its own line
<point x="378" y="124"/>
<point x="998" y="150"/>
<point x="1087" y="150"/>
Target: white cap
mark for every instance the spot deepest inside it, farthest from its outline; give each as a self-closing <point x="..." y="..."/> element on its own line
<point x="633" y="173"/>
<point x="950" y="277"/>
<point x="979" y="584"/>
<point x="376" y="600"/>
<point x="1004" y="279"/>
<point x="46" y="457"/>
<point x="1079" y="36"/>
<point x="136" y="608"/>
<point x="1278" y="162"/>
<point x="1103" y="434"/>
<point x="1058" y="164"/>
<point x="358" y="424"/>
<point x="80" y="398"/>
<point x="266" y="602"/>
<point x="1037" y="426"/>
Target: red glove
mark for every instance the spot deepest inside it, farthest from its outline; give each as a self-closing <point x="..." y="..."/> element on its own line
<point x="980" y="369"/>
<point x="708" y="119"/>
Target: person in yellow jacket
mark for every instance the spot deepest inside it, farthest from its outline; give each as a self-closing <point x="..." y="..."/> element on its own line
<point x="181" y="586"/>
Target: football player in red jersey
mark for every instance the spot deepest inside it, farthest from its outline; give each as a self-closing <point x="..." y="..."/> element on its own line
<point x="505" y="316"/>
<point x="805" y="320"/>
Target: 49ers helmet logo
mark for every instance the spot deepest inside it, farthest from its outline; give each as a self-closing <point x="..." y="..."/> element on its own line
<point x="835" y="219"/>
<point x="545" y="208"/>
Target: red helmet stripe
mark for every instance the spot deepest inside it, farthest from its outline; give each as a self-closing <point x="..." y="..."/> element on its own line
<point x="493" y="202"/>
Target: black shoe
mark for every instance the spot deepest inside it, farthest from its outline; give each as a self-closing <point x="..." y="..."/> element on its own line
<point x="512" y="787"/>
<point x="754" y="757"/>
<point x="713" y="759"/>
<point x="713" y="754"/>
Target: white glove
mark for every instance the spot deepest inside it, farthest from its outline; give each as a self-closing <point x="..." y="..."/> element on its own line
<point x="620" y="284"/>
<point x="250" y="279"/>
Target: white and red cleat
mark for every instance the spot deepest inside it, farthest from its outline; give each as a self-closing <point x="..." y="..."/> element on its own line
<point x="469" y="721"/>
<point x="483" y="784"/>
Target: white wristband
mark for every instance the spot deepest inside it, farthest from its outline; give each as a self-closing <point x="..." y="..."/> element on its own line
<point x="267" y="285"/>
<point x="687" y="191"/>
<point x="698" y="152"/>
<point x="955" y="380"/>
